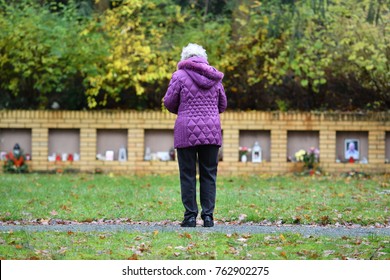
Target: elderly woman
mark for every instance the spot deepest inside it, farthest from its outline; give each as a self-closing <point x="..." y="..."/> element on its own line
<point x="197" y="96"/>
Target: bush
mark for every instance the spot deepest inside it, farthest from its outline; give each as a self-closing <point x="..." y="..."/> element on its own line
<point x="45" y="55"/>
<point x="276" y="55"/>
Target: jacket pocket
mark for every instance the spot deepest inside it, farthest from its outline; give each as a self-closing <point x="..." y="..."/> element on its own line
<point x="180" y="131"/>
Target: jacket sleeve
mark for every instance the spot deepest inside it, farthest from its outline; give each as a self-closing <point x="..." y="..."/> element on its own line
<point x="222" y="100"/>
<point x="172" y="96"/>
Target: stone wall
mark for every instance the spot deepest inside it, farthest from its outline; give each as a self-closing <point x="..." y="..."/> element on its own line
<point x="329" y="130"/>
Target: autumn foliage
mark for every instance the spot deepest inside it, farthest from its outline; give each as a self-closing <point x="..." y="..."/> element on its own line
<point x="276" y="54"/>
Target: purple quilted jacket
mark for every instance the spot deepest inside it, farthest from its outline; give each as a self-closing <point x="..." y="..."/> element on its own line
<point x="196" y="94"/>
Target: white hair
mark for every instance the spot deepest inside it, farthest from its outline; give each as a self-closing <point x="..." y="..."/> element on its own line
<point x="193" y="50"/>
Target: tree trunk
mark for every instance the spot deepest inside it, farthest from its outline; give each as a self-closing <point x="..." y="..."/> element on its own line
<point x="206" y="9"/>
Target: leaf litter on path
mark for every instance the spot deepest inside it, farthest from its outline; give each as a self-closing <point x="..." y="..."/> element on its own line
<point x="127" y="221"/>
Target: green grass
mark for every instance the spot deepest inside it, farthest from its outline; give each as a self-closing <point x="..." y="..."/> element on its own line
<point x="287" y="199"/>
<point x="187" y="246"/>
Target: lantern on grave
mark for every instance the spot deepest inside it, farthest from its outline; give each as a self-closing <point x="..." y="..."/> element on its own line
<point x="256" y="153"/>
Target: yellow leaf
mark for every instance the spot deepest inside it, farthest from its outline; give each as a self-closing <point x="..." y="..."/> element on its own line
<point x="139" y="89"/>
<point x="243" y="9"/>
<point x="241" y="21"/>
<point x="230" y="68"/>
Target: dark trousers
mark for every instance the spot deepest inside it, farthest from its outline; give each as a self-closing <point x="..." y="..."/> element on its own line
<point x="207" y="157"/>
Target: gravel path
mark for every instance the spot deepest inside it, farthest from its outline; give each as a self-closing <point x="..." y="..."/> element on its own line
<point x="228" y="229"/>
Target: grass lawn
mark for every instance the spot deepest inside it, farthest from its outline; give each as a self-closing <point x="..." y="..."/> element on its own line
<point x="287" y="199"/>
<point x="188" y="246"/>
<point x="272" y="199"/>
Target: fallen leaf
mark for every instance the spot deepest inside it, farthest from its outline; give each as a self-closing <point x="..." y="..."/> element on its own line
<point x="76" y="196"/>
<point x="133" y="257"/>
<point x="187" y="235"/>
<point x="54" y="212"/>
<point x="242" y="239"/>
<point x="358" y="242"/>
<point x="66" y="208"/>
<point x="283" y="254"/>
<point x="325" y="220"/>
<point x="308" y="254"/>
<point x="62" y="250"/>
<point x="142" y="247"/>
<point x="297" y="220"/>
<point x="213" y="255"/>
<point x="242" y="217"/>
<point x="190" y="246"/>
<point x="268" y="238"/>
<point x="70" y="232"/>
<point x="41" y="252"/>
<point x="328" y="252"/>
<point x="233" y="251"/>
<point x="18" y="246"/>
<point x="155" y="233"/>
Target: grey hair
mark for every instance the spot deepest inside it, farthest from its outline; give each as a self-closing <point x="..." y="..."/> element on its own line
<point x="193" y="50"/>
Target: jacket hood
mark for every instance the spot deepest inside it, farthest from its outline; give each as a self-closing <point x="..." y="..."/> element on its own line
<point x="204" y="75"/>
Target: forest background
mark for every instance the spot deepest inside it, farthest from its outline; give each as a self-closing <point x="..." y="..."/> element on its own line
<point x="276" y="54"/>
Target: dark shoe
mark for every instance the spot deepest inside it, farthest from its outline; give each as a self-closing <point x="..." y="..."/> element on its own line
<point x="190" y="222"/>
<point x="208" y="222"/>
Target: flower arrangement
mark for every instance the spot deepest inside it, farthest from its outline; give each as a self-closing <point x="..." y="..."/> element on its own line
<point x="15" y="161"/>
<point x="309" y="157"/>
<point x="300" y="155"/>
<point x="243" y="151"/>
